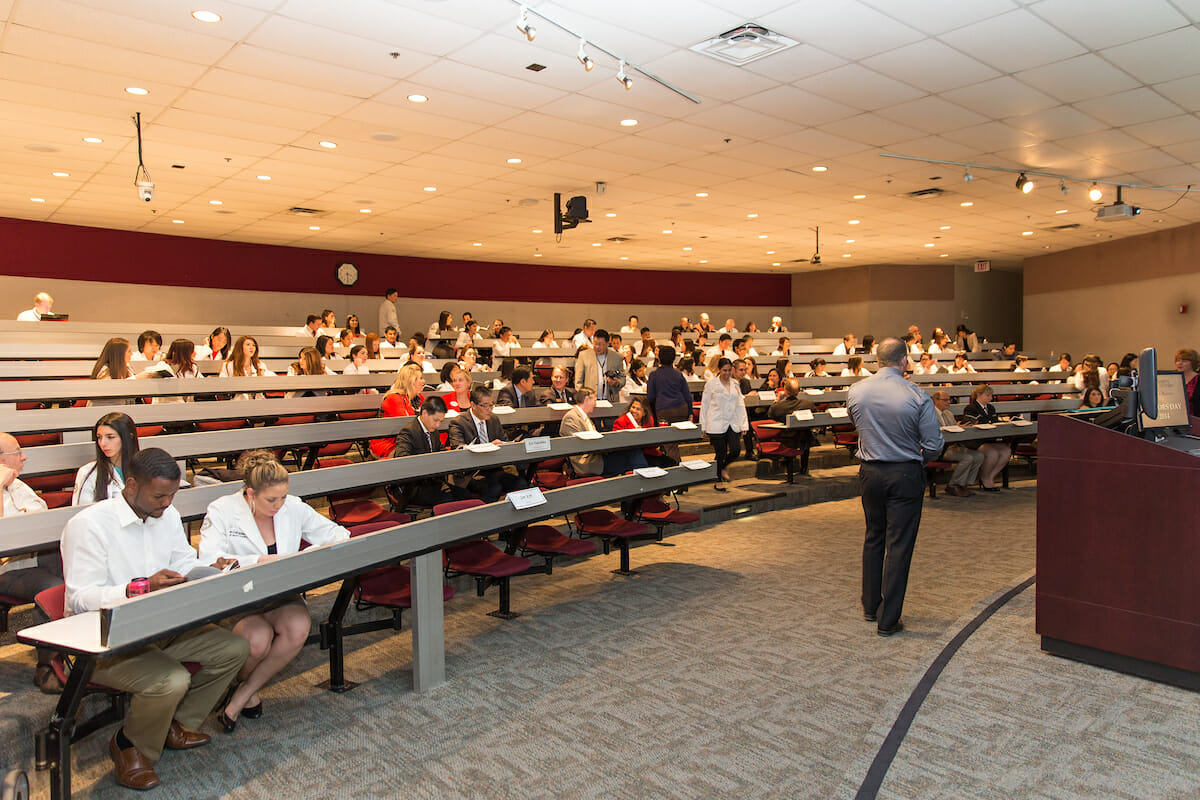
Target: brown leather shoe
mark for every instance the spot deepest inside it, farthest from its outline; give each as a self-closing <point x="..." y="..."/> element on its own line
<point x="132" y="769"/>
<point x="180" y="738"/>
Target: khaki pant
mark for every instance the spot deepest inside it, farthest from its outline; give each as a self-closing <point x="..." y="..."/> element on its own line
<point x="164" y="690"/>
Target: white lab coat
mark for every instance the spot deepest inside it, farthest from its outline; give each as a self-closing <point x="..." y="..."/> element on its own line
<point x="722" y="408"/>
<point x="229" y="530"/>
<point x="85" y="485"/>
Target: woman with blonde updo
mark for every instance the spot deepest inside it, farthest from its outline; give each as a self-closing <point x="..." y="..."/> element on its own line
<point x="401" y="400"/>
<point x="258" y="524"/>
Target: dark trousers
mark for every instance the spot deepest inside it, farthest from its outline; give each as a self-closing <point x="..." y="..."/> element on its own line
<point x="727" y="446"/>
<point x="891" y="498"/>
<point x="26" y="583"/>
<point x="491" y="484"/>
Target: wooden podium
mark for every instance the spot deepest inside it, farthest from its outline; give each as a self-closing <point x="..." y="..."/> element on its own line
<point x="1118" y="551"/>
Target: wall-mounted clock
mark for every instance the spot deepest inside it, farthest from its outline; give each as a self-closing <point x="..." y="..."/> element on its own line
<point x="347" y="273"/>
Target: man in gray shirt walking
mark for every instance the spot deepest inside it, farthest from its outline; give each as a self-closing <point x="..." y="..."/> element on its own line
<point x="898" y="434"/>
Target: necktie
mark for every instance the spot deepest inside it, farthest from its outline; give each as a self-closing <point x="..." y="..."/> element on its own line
<point x="429" y="439"/>
<point x="482" y="431"/>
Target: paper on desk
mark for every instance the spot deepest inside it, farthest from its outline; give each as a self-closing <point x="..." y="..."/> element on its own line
<point x="686" y="425"/>
<point x="814" y="391"/>
<point x="588" y="435"/>
<point x="560" y="406"/>
<point x="952" y="428"/>
<point x="650" y="472"/>
<point x="451" y="413"/>
<point x="802" y="414"/>
<point x="986" y="426"/>
<point x="603" y="404"/>
<point x="526" y="498"/>
<point x="503" y="409"/>
<point x="766" y="394"/>
<point x="839" y="412"/>
<point x="483" y="447"/>
<point x="695" y="463"/>
<point x="1021" y="423"/>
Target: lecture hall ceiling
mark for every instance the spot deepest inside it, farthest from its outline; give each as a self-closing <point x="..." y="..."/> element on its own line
<point x="1096" y="89"/>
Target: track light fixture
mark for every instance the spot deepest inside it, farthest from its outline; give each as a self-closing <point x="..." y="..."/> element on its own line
<point x="523" y="25"/>
<point x="1024" y="185"/>
<point x="1095" y="194"/>
<point x="584" y="58"/>
<point x="625" y="80"/>
<point x="967" y="176"/>
<point x="1062" y="187"/>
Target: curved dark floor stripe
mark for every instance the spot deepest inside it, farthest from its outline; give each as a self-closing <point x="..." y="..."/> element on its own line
<point x="891" y="743"/>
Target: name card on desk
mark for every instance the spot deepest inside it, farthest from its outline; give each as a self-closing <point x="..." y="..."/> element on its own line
<point x="1021" y="423"/>
<point x="537" y="444"/>
<point x="560" y="406"/>
<point x="588" y="435"/>
<point x="526" y="498"/>
<point x="650" y="472"/>
<point x="986" y="426"/>
<point x="603" y="404"/>
<point x="803" y="414"/>
<point x="694" y="464"/>
<point x="766" y="394"/>
<point x="503" y="410"/>
<point x="839" y="412"/>
<point x="686" y="425"/>
<point x="483" y="447"/>
<point x="952" y="428"/>
<point x="813" y="391"/>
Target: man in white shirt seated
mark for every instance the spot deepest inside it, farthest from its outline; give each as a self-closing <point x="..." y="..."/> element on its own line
<point x="749" y="352"/>
<point x="584" y="337"/>
<point x="22" y="577"/>
<point x="390" y="340"/>
<point x="728" y="327"/>
<point x="777" y="326"/>
<point x="1063" y="365"/>
<point x="846" y="348"/>
<point x="504" y="342"/>
<point x="42" y="305"/>
<point x="633" y="327"/>
<point x="723" y="348"/>
<point x="914" y="346"/>
<point x="312" y="327"/>
<point x="129" y="545"/>
<point x="928" y="365"/>
<point x="149" y="344"/>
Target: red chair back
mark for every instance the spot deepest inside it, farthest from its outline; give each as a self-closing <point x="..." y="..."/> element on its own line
<point x="455" y="505"/>
<point x="53" y="601"/>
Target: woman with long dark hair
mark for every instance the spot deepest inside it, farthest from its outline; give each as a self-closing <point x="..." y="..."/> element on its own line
<point x="353" y="325"/>
<point x="116" y="441"/>
<point x="216" y="345"/>
<point x="723" y="418"/>
<point x="179" y="363"/>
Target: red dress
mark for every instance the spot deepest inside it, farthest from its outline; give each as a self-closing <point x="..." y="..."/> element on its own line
<point x="393" y="405"/>
<point x="627" y="423"/>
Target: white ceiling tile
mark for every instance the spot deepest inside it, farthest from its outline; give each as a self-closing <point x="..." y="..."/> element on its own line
<point x="1079" y="78"/>
<point x="1102" y="144"/>
<point x="394" y="25"/>
<point x="860" y="87"/>
<point x="1166" y="131"/>
<point x="1135" y="161"/>
<point x="931" y="66"/>
<point x="820" y="144"/>
<point x="1013" y="42"/>
<point x="796" y="105"/>
<point x="1128" y="108"/>
<point x="1185" y="92"/>
<point x="1104" y="23"/>
<point x="1056" y="123"/>
<point x="346" y="51"/>
<point x="795" y="63"/>
<point x="934" y="17"/>
<point x="853" y="31"/>
<point x="1001" y="97"/>
<point x="933" y="114"/>
<point x="991" y="136"/>
<point x="871" y="129"/>
<point x="505" y="89"/>
<point x="247" y="87"/>
<point x="1160" y="58"/>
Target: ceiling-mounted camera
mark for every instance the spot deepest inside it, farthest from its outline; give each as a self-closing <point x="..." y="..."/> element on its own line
<point x="146" y="190"/>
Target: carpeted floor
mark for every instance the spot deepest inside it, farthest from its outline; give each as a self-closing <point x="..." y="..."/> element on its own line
<point x="736" y="664"/>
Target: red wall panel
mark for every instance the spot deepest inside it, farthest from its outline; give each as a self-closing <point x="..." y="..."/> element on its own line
<point x="72" y="252"/>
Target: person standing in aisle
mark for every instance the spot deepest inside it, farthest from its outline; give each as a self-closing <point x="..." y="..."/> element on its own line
<point x="387" y="310"/>
<point x="898" y="434"/>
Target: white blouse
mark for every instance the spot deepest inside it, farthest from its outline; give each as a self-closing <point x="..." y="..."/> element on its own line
<point x="722" y="408"/>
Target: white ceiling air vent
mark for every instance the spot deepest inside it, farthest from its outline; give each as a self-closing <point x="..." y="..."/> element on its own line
<point x="744" y="44"/>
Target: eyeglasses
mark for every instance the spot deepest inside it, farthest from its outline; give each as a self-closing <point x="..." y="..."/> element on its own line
<point x="16" y="452"/>
<point x="485" y="405"/>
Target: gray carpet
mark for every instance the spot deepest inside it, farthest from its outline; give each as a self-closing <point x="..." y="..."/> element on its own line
<point x="736" y="664"/>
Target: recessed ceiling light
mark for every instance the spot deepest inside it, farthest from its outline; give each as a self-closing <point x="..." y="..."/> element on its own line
<point x="854" y="222"/>
<point x="1061" y="211"/>
<point x="364" y="211"/>
<point x="610" y="214"/>
<point x="476" y="244"/>
<point x="860" y="197"/>
<point x="61" y="174"/>
<point x="93" y="139"/>
<point x="431" y="188"/>
<point x="770" y="252"/>
<point x="628" y="123"/>
<point x="136" y="90"/>
<point x="849" y="241"/>
<point x="1027" y="233"/>
<point x="929" y="244"/>
<point x="687" y="248"/>
<point x="762" y="236"/>
<point x="820" y="169"/>
<point x="845" y="255"/>
<point x="536" y="230"/>
<point x="206" y="16"/>
<point x="701" y="194"/>
<point x="944" y="228"/>
<point x="514" y="161"/>
<point x="666" y="230"/>
<point x="624" y="258"/>
<point x="967" y="204"/>
<point x="177" y="221"/>
<point x="264" y="177"/>
<point x="774" y="263"/>
<point x="1045" y="247"/>
<point x="944" y="255"/>
<point x="329" y="145"/>
<point x="314" y="227"/>
<point x="751" y="216"/>
<point x="704" y="261"/>
<point x="537" y="255"/>
<point x="215" y="202"/>
<point x="38" y="199"/>
<point x="417" y="98"/>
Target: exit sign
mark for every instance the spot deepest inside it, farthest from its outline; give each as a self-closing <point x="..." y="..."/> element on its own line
<point x="983" y="266"/>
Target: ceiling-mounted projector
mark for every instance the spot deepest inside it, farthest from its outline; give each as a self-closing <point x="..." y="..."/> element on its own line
<point x="1117" y="210"/>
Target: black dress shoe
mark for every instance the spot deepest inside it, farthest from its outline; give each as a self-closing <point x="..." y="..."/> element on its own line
<point x="869" y="617"/>
<point x="227" y="724"/>
<point x="892" y="631"/>
<point x="990" y="488"/>
<point x="253" y="712"/>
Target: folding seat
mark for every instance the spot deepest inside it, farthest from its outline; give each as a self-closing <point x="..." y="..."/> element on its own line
<point x="608" y="527"/>
<point x="482" y="560"/>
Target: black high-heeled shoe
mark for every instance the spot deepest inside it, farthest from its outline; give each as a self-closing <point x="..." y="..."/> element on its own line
<point x="253" y="712"/>
<point x="229" y="725"/>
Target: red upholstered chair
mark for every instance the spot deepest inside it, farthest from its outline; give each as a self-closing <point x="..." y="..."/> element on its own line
<point x="482" y="560"/>
<point x="770" y="447"/>
<point x="356" y="507"/>
<point x="932" y="469"/>
<point x="149" y="430"/>
<point x="845" y="436"/>
<point x="549" y="474"/>
<point x="386" y="587"/>
<point x="37" y="439"/>
<point x="222" y="425"/>
<point x="608" y="527"/>
<point x="55" y="490"/>
<point x="660" y="514"/>
<point x="548" y="542"/>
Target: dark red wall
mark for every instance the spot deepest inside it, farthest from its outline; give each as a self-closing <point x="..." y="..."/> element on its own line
<point x="72" y="252"/>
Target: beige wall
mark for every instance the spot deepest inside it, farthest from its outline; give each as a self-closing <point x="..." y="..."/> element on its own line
<point x="116" y="302"/>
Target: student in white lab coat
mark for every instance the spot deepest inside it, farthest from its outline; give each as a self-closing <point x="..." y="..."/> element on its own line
<point x="116" y="439"/>
<point x="258" y="524"/>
